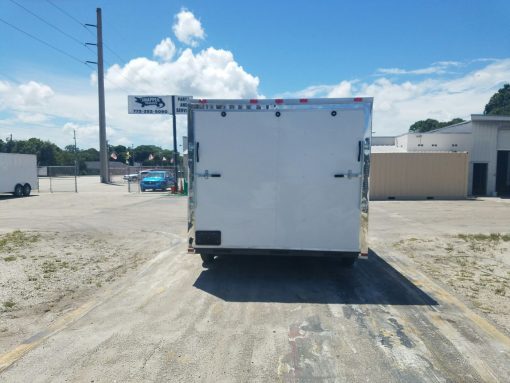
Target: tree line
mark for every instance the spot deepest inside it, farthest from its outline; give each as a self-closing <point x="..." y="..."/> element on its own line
<point x="49" y="154"/>
<point x="499" y="104"/>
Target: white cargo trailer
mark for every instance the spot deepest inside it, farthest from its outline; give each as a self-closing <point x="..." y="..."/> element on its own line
<point x="18" y="173"/>
<point x="279" y="177"/>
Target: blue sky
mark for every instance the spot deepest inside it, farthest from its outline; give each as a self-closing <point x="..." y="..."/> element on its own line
<point x="419" y="59"/>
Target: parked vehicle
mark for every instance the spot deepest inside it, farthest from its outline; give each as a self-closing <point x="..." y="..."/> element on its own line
<point x="279" y="177"/>
<point x="18" y="173"/>
<point x="131" y="177"/>
<point x="156" y="180"/>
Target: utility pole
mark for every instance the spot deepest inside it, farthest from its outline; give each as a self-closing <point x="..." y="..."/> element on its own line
<point x="103" y="154"/>
<point x="75" y="163"/>
<point x="176" y="154"/>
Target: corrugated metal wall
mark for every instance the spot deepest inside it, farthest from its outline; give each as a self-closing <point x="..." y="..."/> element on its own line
<point x="418" y="175"/>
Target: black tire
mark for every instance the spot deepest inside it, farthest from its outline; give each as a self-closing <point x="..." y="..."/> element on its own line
<point x="142" y="189"/>
<point x="18" y="190"/>
<point x="207" y="258"/>
<point x="26" y="190"/>
<point x="348" y="262"/>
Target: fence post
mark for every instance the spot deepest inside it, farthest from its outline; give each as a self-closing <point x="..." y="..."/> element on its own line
<point x="75" y="177"/>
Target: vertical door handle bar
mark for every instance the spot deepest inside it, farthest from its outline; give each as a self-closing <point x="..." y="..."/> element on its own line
<point x="360" y="143"/>
<point x="198" y="147"/>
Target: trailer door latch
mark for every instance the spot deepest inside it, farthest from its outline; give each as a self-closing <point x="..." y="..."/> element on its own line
<point x="206" y="174"/>
<point x="350" y="174"/>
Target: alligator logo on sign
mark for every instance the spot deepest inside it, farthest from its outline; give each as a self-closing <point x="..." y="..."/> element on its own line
<point x="147" y="101"/>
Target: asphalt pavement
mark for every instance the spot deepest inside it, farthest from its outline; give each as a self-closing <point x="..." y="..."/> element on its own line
<point x="267" y="319"/>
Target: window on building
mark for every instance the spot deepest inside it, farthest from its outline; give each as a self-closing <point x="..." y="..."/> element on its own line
<point x="434" y="144"/>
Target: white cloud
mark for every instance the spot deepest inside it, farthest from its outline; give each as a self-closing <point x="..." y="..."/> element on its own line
<point x="439" y="67"/>
<point x="165" y="49"/>
<point x="209" y="73"/>
<point x="31" y="93"/>
<point x="399" y="104"/>
<point x="187" y="28"/>
<point x="32" y="118"/>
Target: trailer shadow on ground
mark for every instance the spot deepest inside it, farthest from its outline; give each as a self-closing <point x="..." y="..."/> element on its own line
<point x="5" y="197"/>
<point x="309" y="280"/>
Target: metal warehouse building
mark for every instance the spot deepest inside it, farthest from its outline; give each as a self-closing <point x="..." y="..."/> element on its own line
<point x="420" y="165"/>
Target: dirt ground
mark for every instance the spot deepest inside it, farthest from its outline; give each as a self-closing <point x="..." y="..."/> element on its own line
<point x="130" y="304"/>
<point x="58" y="250"/>
<point x="469" y="254"/>
<point x="475" y="266"/>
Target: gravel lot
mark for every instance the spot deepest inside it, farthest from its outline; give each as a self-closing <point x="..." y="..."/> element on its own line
<point x="58" y="250"/>
<point x="129" y="304"/>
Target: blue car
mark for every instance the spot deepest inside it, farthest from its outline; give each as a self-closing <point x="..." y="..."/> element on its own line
<point x="156" y="180"/>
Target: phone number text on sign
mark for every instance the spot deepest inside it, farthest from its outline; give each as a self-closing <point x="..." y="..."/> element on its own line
<point x="151" y="111"/>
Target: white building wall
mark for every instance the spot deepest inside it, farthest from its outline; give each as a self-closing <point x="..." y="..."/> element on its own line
<point x="443" y="142"/>
<point x="485" y="136"/>
<point x="401" y="141"/>
<point x="383" y="140"/>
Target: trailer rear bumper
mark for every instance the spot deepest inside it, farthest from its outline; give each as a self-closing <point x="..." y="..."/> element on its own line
<point x="274" y="252"/>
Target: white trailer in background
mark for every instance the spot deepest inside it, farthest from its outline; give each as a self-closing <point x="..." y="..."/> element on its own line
<point x="18" y="173"/>
<point x="279" y="177"/>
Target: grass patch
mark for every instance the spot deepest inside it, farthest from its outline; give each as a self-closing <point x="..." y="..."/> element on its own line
<point x="17" y="239"/>
<point x="493" y="237"/>
<point x="49" y="267"/>
<point x="9" y="304"/>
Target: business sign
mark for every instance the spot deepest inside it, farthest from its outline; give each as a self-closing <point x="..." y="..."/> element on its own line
<point x="157" y="104"/>
<point x="181" y="104"/>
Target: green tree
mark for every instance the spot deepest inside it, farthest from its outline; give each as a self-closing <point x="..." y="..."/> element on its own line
<point x="499" y="103"/>
<point x="142" y="153"/>
<point x="121" y="151"/>
<point x="429" y="124"/>
<point x="89" y="154"/>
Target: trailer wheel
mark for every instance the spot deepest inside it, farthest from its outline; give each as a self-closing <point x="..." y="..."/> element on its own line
<point x="348" y="262"/>
<point x="26" y="190"/>
<point x="18" y="190"/>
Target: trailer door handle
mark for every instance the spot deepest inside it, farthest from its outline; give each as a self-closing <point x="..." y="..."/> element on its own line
<point x="360" y="144"/>
<point x="349" y="175"/>
<point x="206" y="174"/>
<point x="198" y="147"/>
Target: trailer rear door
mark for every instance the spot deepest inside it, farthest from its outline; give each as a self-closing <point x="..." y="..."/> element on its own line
<point x="279" y="182"/>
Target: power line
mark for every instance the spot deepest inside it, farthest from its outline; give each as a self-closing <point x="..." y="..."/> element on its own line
<point x="69" y="15"/>
<point x="48" y="23"/>
<point x="114" y="53"/>
<point x="104" y="44"/>
<point x="84" y="26"/>
<point x="42" y="41"/>
<point x="10" y="78"/>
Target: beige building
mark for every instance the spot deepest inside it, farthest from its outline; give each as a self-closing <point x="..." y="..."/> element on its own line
<point x="485" y="139"/>
<point x="423" y="175"/>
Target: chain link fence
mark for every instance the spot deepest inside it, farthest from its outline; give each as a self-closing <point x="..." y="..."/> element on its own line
<point x="161" y="178"/>
<point x="54" y="179"/>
